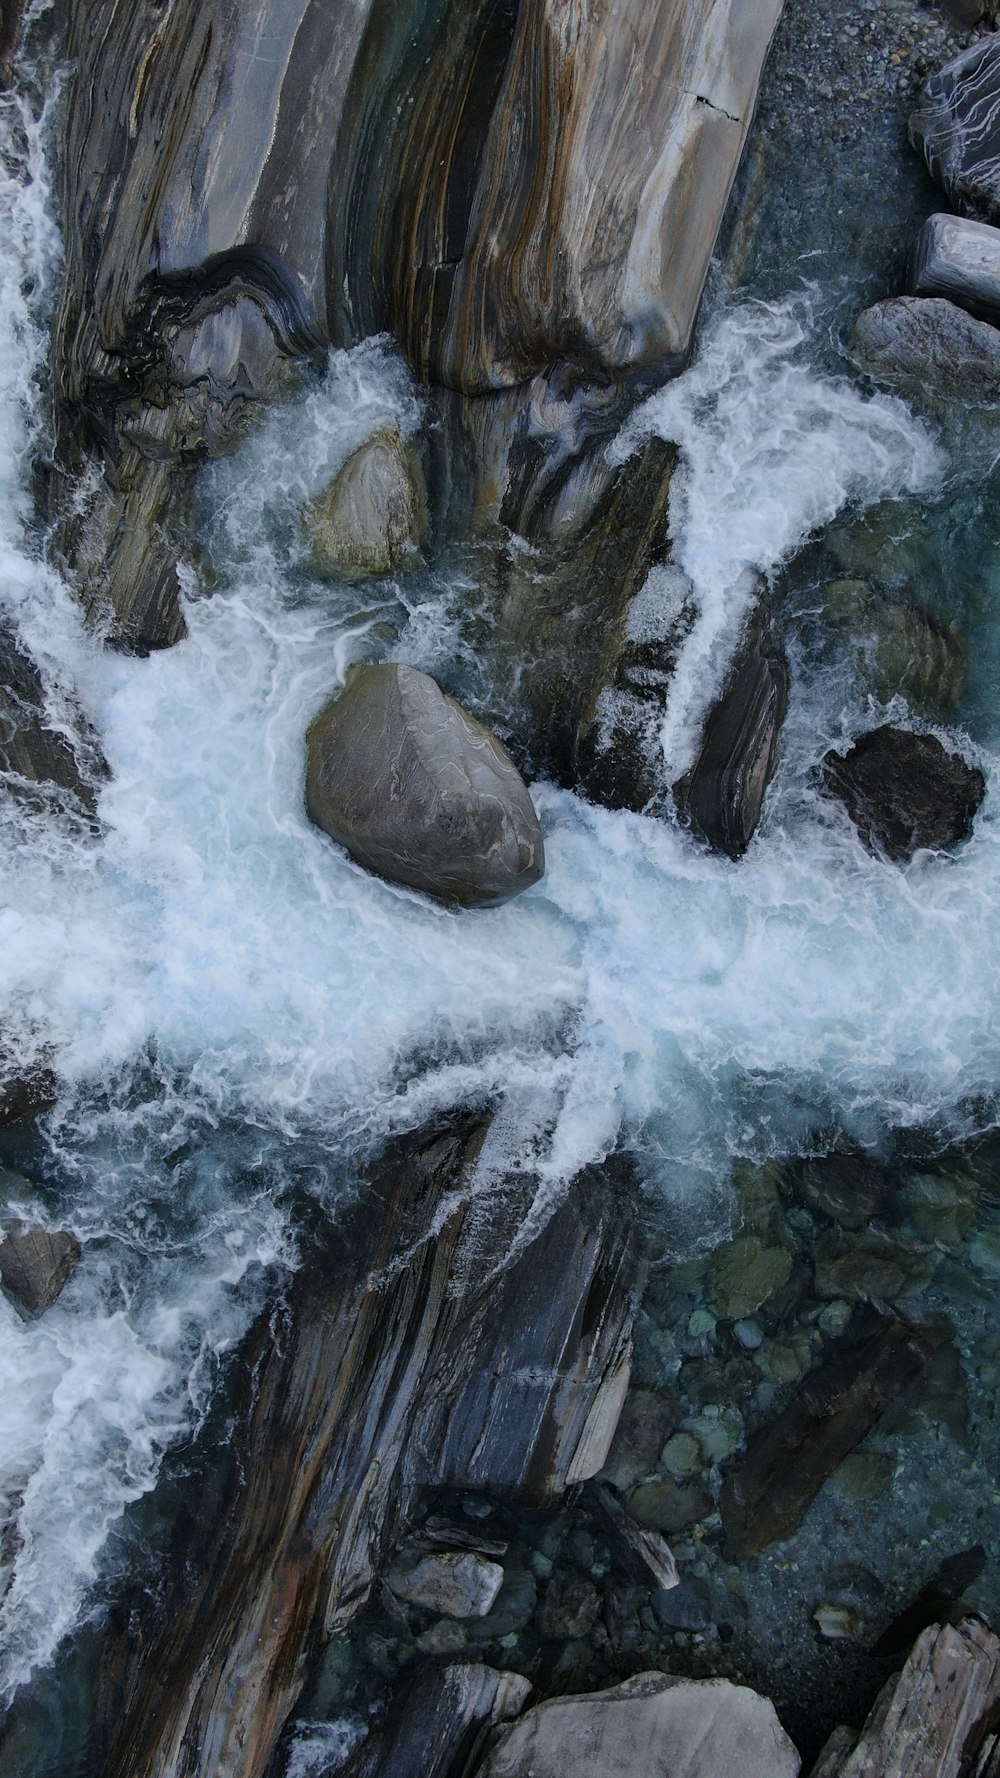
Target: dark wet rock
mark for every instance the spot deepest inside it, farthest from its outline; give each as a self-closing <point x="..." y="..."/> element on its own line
<point x="498" y="215"/>
<point x="937" y="1717"/>
<point x="905" y="792"/>
<point x="956" y="126"/>
<point x="36" y="759"/>
<point x="453" y="1583"/>
<point x="35" y="1265"/>
<point x="869" y="1263"/>
<point x="11" y="17"/>
<point x="438" y="1727"/>
<point x="515" y="1608"/>
<point x="900" y="649"/>
<point x="850" y="1188"/>
<point x="745" y="1273"/>
<point x="960" y="259"/>
<point x="570" y="1608"/>
<point x="371" y="519"/>
<point x="670" y="1506"/>
<point x="684" y="1607"/>
<point x="641" y="1554"/>
<point x="420" y="792"/>
<point x="653" y="1724"/>
<point x="723" y="795"/>
<point x="25" y="1095"/>
<point x="407" y="1356"/>
<point x="648" y="1419"/>
<point x="788" y="1460"/>
<point x="931" y="350"/>
<point x="935" y="1601"/>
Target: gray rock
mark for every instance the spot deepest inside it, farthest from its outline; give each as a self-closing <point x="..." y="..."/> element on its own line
<point x="744" y="1273"/>
<point x="35" y="1264"/>
<point x="420" y="792"/>
<point x="648" y="1418"/>
<point x="372" y="518"/>
<point x="569" y="1608"/>
<point x="454" y="1583"/>
<point x="956" y="126"/>
<point x="437" y="1726"/>
<point x="959" y="259"/>
<point x="36" y="760"/>
<point x="654" y="1725"/>
<point x="930" y="349"/>
<point x="683" y="1607"/>
<point x="723" y="794"/>
<point x="641" y="1553"/>
<point x="905" y="792"/>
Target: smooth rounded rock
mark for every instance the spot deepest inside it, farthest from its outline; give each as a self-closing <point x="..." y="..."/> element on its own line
<point x="371" y="519"/>
<point x="420" y="792"/>
<point x="931" y="350"/>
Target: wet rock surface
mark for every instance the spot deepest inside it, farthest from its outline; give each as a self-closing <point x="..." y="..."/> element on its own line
<point x="905" y="792"/>
<point x="723" y="795"/>
<point x="930" y="349"/>
<point x="371" y="520"/>
<point x="35" y="1265"/>
<point x="420" y="792"/>
<point x="440" y="1725"/>
<point x="956" y="125"/>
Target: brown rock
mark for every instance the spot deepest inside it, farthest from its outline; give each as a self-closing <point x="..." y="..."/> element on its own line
<point x="35" y="1264"/>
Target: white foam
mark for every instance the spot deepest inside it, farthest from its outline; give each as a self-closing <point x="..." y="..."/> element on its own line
<point x="770" y="451"/>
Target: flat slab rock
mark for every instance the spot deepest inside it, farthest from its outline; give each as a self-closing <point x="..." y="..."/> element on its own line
<point x="935" y="1719"/>
<point x="420" y="792"/>
<point x="956" y="126"/>
<point x="960" y="260"/>
<point x="905" y="792"/>
<point x="931" y="349"/>
<point x="652" y="1725"/>
<point x="35" y="1265"/>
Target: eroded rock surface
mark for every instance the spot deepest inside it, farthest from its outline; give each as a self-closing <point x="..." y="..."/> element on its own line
<point x="439" y="1727"/>
<point x="35" y="1264"/>
<point x="956" y="126"/>
<point x="420" y="792"/>
<point x="371" y="519"/>
<point x="654" y="1725"/>
<point x="960" y="260"/>
<point x="930" y="349"/>
<point x="35" y="755"/>
<point x="905" y="792"/>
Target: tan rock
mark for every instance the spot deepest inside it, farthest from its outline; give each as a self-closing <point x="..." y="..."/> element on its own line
<point x="371" y="519"/>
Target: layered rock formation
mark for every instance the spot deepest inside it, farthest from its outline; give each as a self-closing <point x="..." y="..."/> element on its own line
<point x="956" y="126"/>
<point x="372" y="517"/>
<point x="406" y="1357"/>
<point x="420" y="792"/>
<point x="723" y="795"/>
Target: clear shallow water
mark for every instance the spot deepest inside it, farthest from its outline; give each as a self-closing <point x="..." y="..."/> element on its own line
<point x="234" y="1009"/>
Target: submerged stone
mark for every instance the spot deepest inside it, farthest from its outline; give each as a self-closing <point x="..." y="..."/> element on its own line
<point x="956" y="126"/>
<point x="905" y="792"/>
<point x="35" y="1265"/>
<point x="371" y="519"/>
<point x="900" y="649"/>
<point x="654" y="1725"/>
<point x="744" y="1273"/>
<point x="420" y="792"/>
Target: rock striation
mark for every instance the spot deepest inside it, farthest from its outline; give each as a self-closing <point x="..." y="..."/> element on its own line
<point x="956" y="126"/>
<point x="552" y="190"/>
<point x="420" y="792"/>
<point x="960" y="260"/>
<point x="408" y="1355"/>
<point x="722" y="797"/>
<point x="905" y="792"/>
<point x="653" y="1724"/>
<point x="439" y="1727"/>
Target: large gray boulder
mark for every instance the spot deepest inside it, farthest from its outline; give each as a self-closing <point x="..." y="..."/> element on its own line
<point x="653" y="1725"/>
<point x="420" y="792"/>
<point x="959" y="259"/>
<point x="956" y="126"/>
<point x="931" y="349"/>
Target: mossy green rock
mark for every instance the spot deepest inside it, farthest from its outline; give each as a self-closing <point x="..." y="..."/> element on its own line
<point x="420" y="792"/>
<point x="745" y="1273"/>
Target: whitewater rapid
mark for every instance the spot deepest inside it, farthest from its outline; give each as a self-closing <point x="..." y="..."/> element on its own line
<point x="234" y="1009"/>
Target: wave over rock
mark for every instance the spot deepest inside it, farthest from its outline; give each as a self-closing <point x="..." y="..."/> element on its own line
<point x="419" y="792"/>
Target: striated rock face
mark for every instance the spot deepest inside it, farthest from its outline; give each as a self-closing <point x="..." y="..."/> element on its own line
<point x="407" y="1356"/>
<point x="930" y="349"/>
<point x="35" y="757"/>
<point x="959" y="259"/>
<point x="420" y="792"/>
<point x="34" y="1267"/>
<point x="654" y="1725"/>
<point x="905" y="792"/>
<point x="723" y="795"/>
<point x="439" y="1726"/>
<point x="372" y="517"/>
<point x="555" y="189"/>
<point x="956" y="126"/>
<point x="936" y="1719"/>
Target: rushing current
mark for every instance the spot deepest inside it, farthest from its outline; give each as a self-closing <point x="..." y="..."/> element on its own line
<point x="234" y="1010"/>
